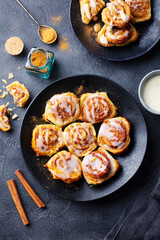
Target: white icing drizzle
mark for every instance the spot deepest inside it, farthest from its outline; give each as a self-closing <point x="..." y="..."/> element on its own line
<point x="42" y="142"/>
<point x="106" y="131"/>
<point x="94" y="103"/>
<point x="137" y="4"/>
<point x="93" y="4"/>
<point x="66" y="103"/>
<point x="3" y="125"/>
<point x="66" y="167"/>
<point x="87" y="11"/>
<point x="114" y="35"/>
<point x="81" y="141"/>
<point x="113" y="5"/>
<point x="124" y="17"/>
<point x="93" y="163"/>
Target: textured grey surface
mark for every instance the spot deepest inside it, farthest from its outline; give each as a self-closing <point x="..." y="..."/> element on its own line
<point x="62" y="219"/>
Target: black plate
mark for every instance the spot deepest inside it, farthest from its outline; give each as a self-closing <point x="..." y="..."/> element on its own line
<point x="149" y="35"/>
<point x="130" y="161"/>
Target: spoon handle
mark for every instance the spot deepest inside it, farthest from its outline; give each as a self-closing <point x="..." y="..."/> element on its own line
<point x="27" y="12"/>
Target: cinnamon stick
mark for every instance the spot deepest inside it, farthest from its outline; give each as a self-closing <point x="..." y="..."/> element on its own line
<point x="28" y="188"/>
<point x="14" y="193"/>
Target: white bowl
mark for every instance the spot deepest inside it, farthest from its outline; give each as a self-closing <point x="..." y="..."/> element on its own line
<point x="141" y="87"/>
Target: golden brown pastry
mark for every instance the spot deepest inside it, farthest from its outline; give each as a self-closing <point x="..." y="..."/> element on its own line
<point x="90" y="8"/>
<point x="117" y="13"/>
<point x="62" y="109"/>
<point x="114" y="135"/>
<point x="65" y="166"/>
<point x="113" y="36"/>
<point x="4" y="121"/>
<point x="98" y="166"/>
<point x="47" y="139"/>
<point x="140" y="9"/>
<point x="95" y="107"/>
<point x="80" y="138"/>
<point x="19" y="92"/>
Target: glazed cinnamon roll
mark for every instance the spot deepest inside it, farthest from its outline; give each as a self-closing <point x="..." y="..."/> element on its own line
<point x="90" y="8"/>
<point x="113" y="36"/>
<point x="47" y="139"/>
<point x="98" y="166"/>
<point x="117" y="13"/>
<point x="19" y="92"/>
<point x="80" y="138"/>
<point x="65" y="166"/>
<point x="62" y="109"/>
<point x="95" y="107"/>
<point x="140" y="9"/>
<point x="114" y="135"/>
<point x="4" y="121"/>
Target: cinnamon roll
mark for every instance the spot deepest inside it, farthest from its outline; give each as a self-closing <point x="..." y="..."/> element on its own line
<point x="65" y="166"/>
<point x="47" y="139"/>
<point x="140" y="9"/>
<point x="4" y="121"/>
<point x="117" y="13"/>
<point x="95" y="107"/>
<point x="98" y="166"/>
<point x="62" y="109"/>
<point x="90" y="8"/>
<point x="113" y="36"/>
<point x="114" y="135"/>
<point x="19" y="92"/>
<point x="80" y="138"/>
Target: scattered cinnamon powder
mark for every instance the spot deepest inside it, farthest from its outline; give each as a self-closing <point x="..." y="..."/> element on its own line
<point x="56" y="20"/>
<point x="79" y="90"/>
<point x="63" y="43"/>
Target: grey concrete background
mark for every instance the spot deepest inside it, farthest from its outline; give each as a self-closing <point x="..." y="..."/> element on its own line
<point x="62" y="219"/>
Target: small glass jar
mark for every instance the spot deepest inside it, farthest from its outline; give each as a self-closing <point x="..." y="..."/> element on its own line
<point x="42" y="71"/>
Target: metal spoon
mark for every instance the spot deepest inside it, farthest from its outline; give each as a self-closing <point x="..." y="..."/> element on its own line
<point x="40" y="27"/>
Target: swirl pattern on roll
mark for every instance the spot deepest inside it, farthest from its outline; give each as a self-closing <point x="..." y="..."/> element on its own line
<point x="65" y="166"/>
<point x="90" y="8"/>
<point x="47" y="139"/>
<point x="19" y="92"/>
<point x="117" y="13"/>
<point x="4" y="121"/>
<point x="95" y="107"/>
<point x="98" y="166"/>
<point x="80" y="138"/>
<point x="110" y="36"/>
<point x="114" y="135"/>
<point x="140" y="9"/>
<point x="62" y="109"/>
